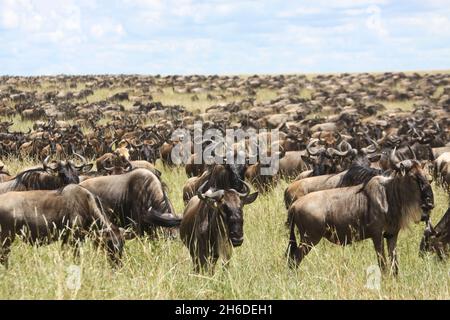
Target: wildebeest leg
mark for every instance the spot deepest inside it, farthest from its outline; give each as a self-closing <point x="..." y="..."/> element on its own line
<point x="392" y="244"/>
<point x="5" y="249"/>
<point x="307" y="241"/>
<point x="378" y="243"/>
<point x="298" y="253"/>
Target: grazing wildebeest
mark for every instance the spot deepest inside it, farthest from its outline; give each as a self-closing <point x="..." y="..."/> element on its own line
<point x="212" y="223"/>
<point x="376" y="209"/>
<point x="44" y="216"/>
<point x="50" y="177"/>
<point x="137" y="198"/>
<point x="437" y="239"/>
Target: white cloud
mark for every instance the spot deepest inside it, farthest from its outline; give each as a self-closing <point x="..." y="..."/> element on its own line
<point x="107" y="28"/>
<point x="432" y="23"/>
<point x="299" y="11"/>
<point x="9" y="19"/>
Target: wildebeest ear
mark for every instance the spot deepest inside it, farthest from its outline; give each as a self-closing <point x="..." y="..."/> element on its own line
<point x="377" y="195"/>
<point x="250" y="198"/>
<point x="87" y="167"/>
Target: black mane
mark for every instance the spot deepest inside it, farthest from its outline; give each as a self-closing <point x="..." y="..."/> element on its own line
<point x="359" y="173"/>
<point x="32" y="180"/>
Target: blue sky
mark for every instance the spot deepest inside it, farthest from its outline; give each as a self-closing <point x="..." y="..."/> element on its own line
<point x="225" y="37"/>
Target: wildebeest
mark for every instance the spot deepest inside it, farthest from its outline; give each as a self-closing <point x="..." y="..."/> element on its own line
<point x="51" y="176"/>
<point x="44" y="216"/>
<point x="137" y="198"/>
<point x="219" y="176"/>
<point x="379" y="208"/>
<point x="212" y="223"/>
<point x="441" y="169"/>
<point x="359" y="172"/>
<point x="437" y="239"/>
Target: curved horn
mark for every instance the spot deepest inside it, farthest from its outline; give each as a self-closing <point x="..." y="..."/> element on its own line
<point x="46" y="165"/>
<point x="45" y="162"/>
<point x="393" y="159"/>
<point x="348" y="146"/>
<point x="200" y="190"/>
<point x="83" y="159"/>
<point x="108" y="168"/>
<point x="373" y="147"/>
<point x="333" y="151"/>
<point x="216" y="195"/>
<point x="310" y="144"/>
<point x="247" y="190"/>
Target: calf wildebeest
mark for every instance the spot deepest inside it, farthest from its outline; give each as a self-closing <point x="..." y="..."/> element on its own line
<point x="51" y="176"/>
<point x="437" y="239"/>
<point x="379" y="208"/>
<point x="44" y="216"/>
<point x="212" y="223"/>
<point x="137" y="198"/>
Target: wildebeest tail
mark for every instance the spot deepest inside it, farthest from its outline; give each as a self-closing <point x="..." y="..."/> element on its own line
<point x="292" y="247"/>
<point x="167" y="220"/>
<point x="287" y="199"/>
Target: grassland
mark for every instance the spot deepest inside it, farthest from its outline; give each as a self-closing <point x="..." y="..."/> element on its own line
<point x="162" y="269"/>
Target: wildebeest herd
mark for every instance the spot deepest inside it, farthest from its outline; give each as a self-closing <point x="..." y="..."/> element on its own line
<point x="359" y="167"/>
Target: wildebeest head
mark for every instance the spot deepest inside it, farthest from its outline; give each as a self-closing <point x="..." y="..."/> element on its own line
<point x="119" y="168"/>
<point x="67" y="171"/>
<point x="322" y="160"/>
<point x="229" y="203"/>
<point x="413" y="170"/>
<point x="430" y="240"/>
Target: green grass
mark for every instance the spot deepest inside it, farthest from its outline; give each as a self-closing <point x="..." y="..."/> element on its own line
<point x="162" y="269"/>
<point x="18" y="124"/>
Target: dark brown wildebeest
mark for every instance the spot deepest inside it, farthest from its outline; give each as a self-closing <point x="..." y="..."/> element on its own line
<point x="379" y="208"/>
<point x="137" y="198"/>
<point x="437" y="239"/>
<point x="51" y="176"/>
<point x="359" y="172"/>
<point x="213" y="223"/>
<point x="44" y="216"/>
<point x="219" y="176"/>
